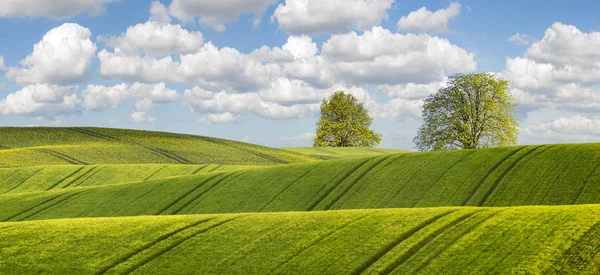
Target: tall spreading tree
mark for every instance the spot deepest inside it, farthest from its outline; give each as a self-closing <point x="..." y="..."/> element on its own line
<point x="345" y="122"/>
<point x="472" y="111"/>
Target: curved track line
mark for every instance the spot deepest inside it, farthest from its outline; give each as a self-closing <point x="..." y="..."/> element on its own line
<point x="195" y="198"/>
<point x="60" y="155"/>
<point x="21" y="183"/>
<point x="156" y="172"/>
<point x="64" y="178"/>
<point x="289" y="186"/>
<point x="96" y="171"/>
<point x="193" y="189"/>
<point x="199" y="169"/>
<point x="586" y="184"/>
<point x="551" y="187"/>
<point x="80" y="176"/>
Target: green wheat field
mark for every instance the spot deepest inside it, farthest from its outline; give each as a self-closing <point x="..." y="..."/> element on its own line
<point x="96" y="201"/>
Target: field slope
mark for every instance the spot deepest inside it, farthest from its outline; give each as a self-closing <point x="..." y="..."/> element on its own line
<point x="77" y="145"/>
<point x="516" y="240"/>
<point x="326" y="153"/>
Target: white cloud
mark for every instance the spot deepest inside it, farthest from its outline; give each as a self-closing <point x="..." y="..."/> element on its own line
<point x="54" y="8"/>
<point x="43" y="100"/>
<point x="411" y="90"/>
<point x="99" y="98"/>
<point x="561" y="71"/>
<point x="381" y="57"/>
<point x="141" y="117"/>
<point x="156" y="39"/>
<point x="566" y="129"/>
<point x="222" y="118"/>
<point x="159" y="13"/>
<point x="117" y="65"/>
<point x="63" y="56"/>
<point x="305" y="139"/>
<point x="332" y="16"/>
<point x="216" y="13"/>
<point x="1" y="63"/>
<point x="521" y="39"/>
<point x="423" y="20"/>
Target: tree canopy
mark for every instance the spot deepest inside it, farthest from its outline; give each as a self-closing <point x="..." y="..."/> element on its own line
<point x="345" y="122"/>
<point x="472" y="111"/>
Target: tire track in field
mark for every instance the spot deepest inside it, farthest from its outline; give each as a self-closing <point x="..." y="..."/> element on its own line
<point x="247" y="150"/>
<point x="290" y="186"/>
<point x="358" y="178"/>
<point x="510" y="168"/>
<point x="55" y="204"/>
<point x="476" y="191"/>
<point x="158" y="151"/>
<point x="422" y="163"/>
<point x="417" y="247"/>
<point x="320" y="239"/>
<point x="60" y="155"/>
<point x="64" y="178"/>
<point x="193" y="189"/>
<point x="79" y="177"/>
<point x="404" y="236"/>
<point x="335" y="185"/>
<point x="52" y="201"/>
<point x="199" y="169"/>
<point x="586" y="184"/>
<point x="551" y="187"/>
<point x="455" y="240"/>
<point x="90" y="173"/>
<point x="149" y="245"/>
<point x="577" y="256"/>
<point x="195" y="198"/>
<point x="23" y="181"/>
<point x="156" y="172"/>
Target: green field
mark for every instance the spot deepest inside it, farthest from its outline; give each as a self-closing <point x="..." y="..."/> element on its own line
<point x="121" y="201"/>
<point x="524" y="240"/>
<point x="326" y="153"/>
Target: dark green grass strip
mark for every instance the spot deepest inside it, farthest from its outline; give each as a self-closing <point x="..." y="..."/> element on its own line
<point x="161" y="238"/>
<point x="96" y="171"/>
<point x="169" y="154"/>
<point x="156" y="172"/>
<point x="289" y="186"/>
<point x="397" y="241"/>
<point x="586" y="184"/>
<point x="195" y="198"/>
<point x="512" y="165"/>
<point x="79" y="177"/>
<point x="52" y="201"/>
<point x="453" y="241"/>
<point x="64" y="178"/>
<point x="335" y="186"/>
<point x="553" y="184"/>
<point x="416" y="248"/>
<point x="150" y="190"/>
<point x="199" y="169"/>
<point x="23" y="181"/>
<point x="214" y="168"/>
<point x="60" y="155"/>
<point x="317" y="241"/>
<point x="351" y="184"/>
<point x="33" y="207"/>
<point x="474" y="193"/>
<point x="54" y="204"/>
<point x="577" y="258"/>
<point x="193" y="189"/>
<point x="173" y="245"/>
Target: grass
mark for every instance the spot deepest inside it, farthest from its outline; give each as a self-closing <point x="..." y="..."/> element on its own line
<point x="516" y="176"/>
<point x="515" y="240"/>
<point x="326" y="153"/>
<point x="36" y="146"/>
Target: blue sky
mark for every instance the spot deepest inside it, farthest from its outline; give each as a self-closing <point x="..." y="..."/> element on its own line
<point x="94" y="63"/>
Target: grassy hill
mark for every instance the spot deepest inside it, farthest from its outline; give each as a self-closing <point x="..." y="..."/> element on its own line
<point x="42" y="145"/>
<point x="515" y="240"/>
<point x="326" y="153"/>
<point x="527" y="175"/>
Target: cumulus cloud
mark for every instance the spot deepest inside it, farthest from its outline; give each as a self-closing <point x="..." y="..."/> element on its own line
<point x="332" y="16"/>
<point x="379" y="56"/>
<point x="156" y="39"/>
<point x="411" y="90"/>
<point x="117" y="65"/>
<point x="49" y="101"/>
<point x="223" y="118"/>
<point x="521" y="39"/>
<point x="304" y="139"/>
<point x="560" y="71"/>
<point x="54" y="9"/>
<point x="215" y="13"/>
<point x="423" y="20"/>
<point x="141" y="117"/>
<point x="63" y="56"/>
<point x="1" y="63"/>
<point x="99" y="98"/>
<point x="565" y="129"/>
<point x="159" y="13"/>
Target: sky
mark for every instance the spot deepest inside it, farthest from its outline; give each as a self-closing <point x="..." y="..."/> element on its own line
<point x="257" y="70"/>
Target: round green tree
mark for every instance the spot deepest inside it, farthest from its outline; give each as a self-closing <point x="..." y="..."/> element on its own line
<point x="345" y="122"/>
<point x="472" y="111"/>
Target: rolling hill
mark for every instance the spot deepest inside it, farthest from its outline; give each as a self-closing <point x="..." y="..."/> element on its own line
<point x="42" y="146"/>
<point x="514" y="240"/>
<point x="326" y="153"/>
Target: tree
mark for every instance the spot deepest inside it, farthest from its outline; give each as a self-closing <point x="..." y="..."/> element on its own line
<point x="472" y="111"/>
<point x="344" y="122"/>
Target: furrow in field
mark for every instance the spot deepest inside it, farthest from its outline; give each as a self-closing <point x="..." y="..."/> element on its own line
<point x="42" y="206"/>
<point x="476" y="191"/>
<point x="351" y="184"/>
<point x="288" y="187"/>
<point x="386" y="249"/>
<point x="580" y="256"/>
<point x="23" y="181"/>
<point x="79" y="177"/>
<point x="193" y="189"/>
<point x="199" y="195"/>
<point x="64" y="179"/>
<point x="60" y="155"/>
<point x="155" y="172"/>
<point x="161" y="238"/>
<point x="510" y="168"/>
<point x="247" y="150"/>
<point x="554" y="183"/>
<point x="586" y="184"/>
<point x="335" y="185"/>
<point x="200" y="169"/>
<point x="89" y="175"/>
